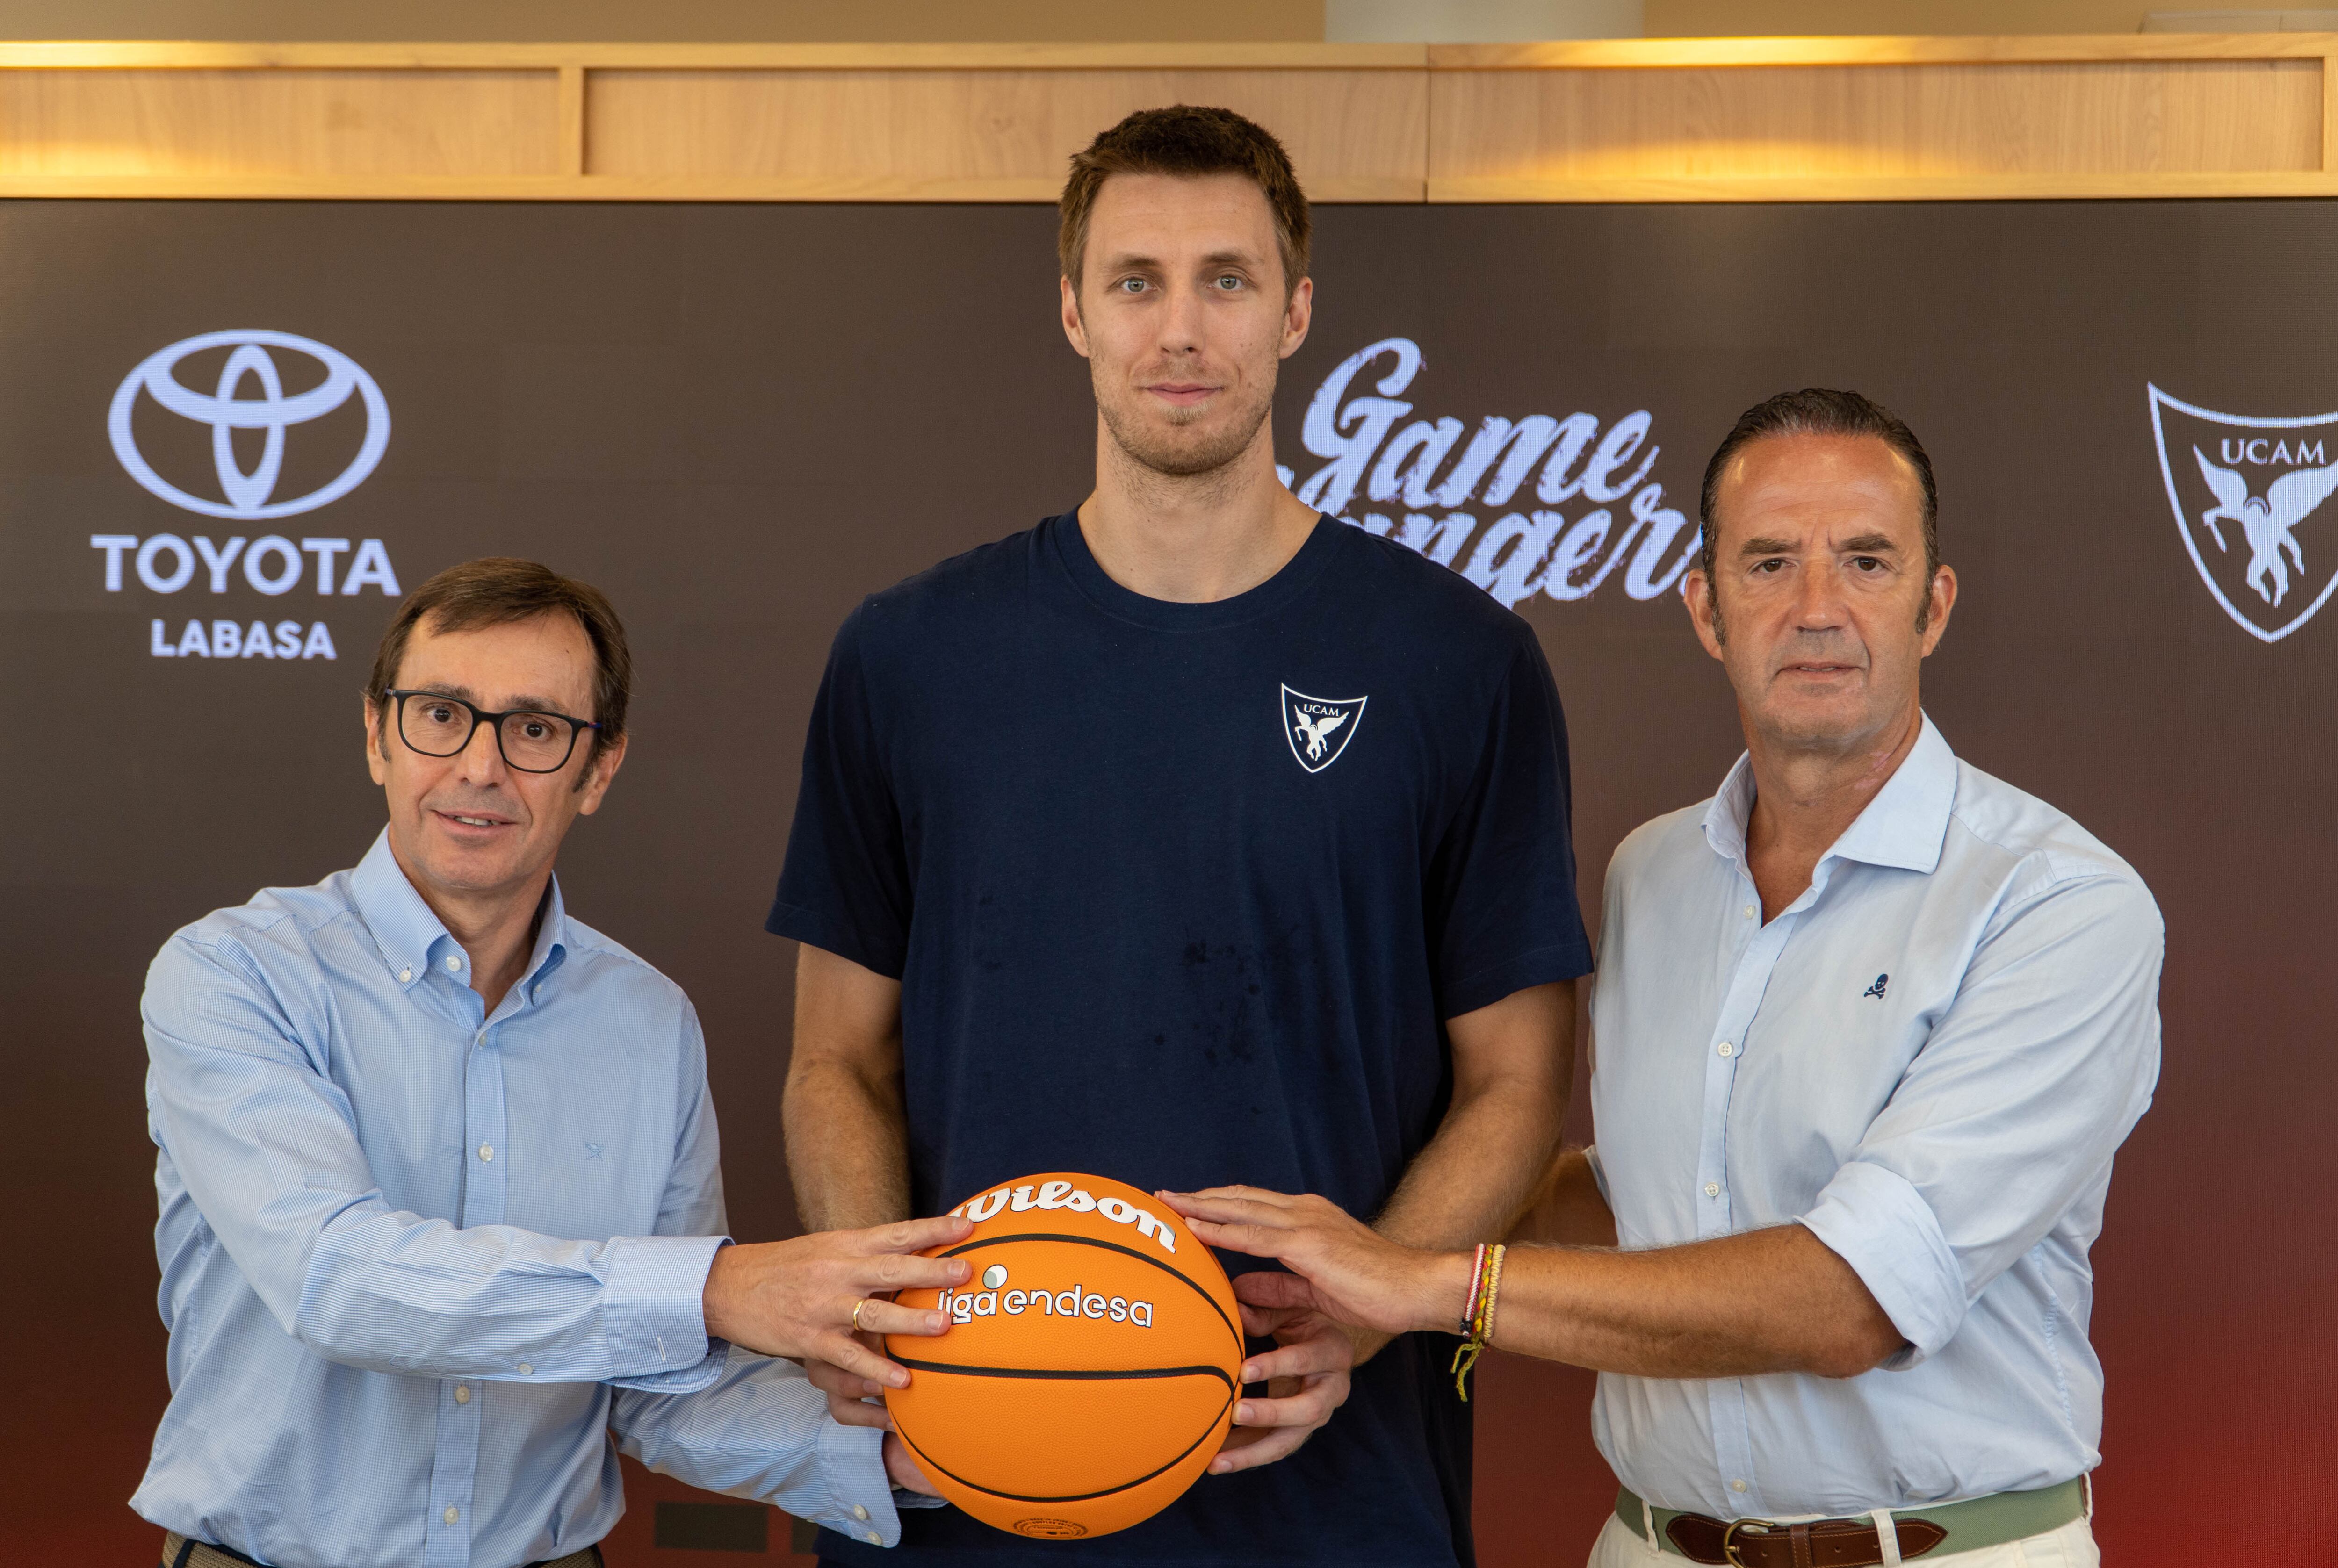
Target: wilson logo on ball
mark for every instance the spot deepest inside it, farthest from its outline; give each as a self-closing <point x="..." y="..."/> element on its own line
<point x="1061" y="1194"/>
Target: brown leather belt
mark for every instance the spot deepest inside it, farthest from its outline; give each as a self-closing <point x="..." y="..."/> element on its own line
<point x="1820" y="1544"/>
<point x="180" y="1552"/>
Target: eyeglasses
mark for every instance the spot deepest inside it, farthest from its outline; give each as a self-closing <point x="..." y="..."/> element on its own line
<point x="531" y="740"/>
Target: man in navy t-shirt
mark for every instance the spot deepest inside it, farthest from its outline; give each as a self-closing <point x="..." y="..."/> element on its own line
<point x="1189" y="838"/>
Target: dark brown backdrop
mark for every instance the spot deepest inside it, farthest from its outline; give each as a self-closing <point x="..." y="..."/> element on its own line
<point x="738" y="420"/>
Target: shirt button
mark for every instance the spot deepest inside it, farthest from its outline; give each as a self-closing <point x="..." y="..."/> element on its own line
<point x="874" y="1539"/>
<point x="404" y="975"/>
<point x="450" y="1515"/>
<point x="1749" y="911"/>
<point x="861" y="1514"/>
<point x="1737" y="1485"/>
<point x="462" y="1394"/>
<point x="453" y="963"/>
<point x="487" y="1151"/>
<point x="1713" y="1189"/>
<point x="525" y="1370"/>
<point x="1728" y="1049"/>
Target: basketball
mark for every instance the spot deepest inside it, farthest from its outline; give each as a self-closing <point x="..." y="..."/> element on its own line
<point x="1091" y="1366"/>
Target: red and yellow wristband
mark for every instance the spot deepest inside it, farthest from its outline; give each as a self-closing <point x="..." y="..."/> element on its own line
<point x="1477" y="1328"/>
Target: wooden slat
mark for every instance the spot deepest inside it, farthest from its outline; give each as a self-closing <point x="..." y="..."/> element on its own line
<point x="58" y="56"/>
<point x="1929" y="187"/>
<point x="1721" y="53"/>
<point x="570" y="130"/>
<point x="1867" y="121"/>
<point x="1342" y="127"/>
<point x="358" y="125"/>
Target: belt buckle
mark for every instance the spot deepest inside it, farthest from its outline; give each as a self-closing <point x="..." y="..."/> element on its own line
<point x="1729" y="1537"/>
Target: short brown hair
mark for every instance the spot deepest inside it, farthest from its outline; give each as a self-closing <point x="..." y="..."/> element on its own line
<point x="1823" y="411"/>
<point x="1189" y="141"/>
<point x="496" y="591"/>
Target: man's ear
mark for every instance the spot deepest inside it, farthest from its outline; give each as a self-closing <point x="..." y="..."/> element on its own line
<point x="377" y="758"/>
<point x="1696" y="592"/>
<point x="1938" y="600"/>
<point x="1298" y="314"/>
<point x="1075" y="329"/>
<point x="608" y="755"/>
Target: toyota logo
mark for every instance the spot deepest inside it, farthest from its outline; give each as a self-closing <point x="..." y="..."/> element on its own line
<point x="248" y="361"/>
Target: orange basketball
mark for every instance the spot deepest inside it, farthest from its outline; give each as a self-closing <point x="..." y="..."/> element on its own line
<point x="1091" y="1365"/>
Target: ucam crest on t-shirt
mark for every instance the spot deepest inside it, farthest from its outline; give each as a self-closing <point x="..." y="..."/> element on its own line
<point x="1320" y="728"/>
<point x="1414" y="470"/>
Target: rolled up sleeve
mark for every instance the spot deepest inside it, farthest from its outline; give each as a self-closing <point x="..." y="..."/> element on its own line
<point x="1877" y="1223"/>
<point x="2014" y="1106"/>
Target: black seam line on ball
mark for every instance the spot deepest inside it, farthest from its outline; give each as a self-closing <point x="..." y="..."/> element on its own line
<point x="1080" y="1497"/>
<point x="1082" y="1375"/>
<point x="1109" y="1247"/>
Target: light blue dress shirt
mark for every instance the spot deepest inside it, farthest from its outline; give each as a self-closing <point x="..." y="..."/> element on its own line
<point x="1928" y="1059"/>
<point x="419" y="1264"/>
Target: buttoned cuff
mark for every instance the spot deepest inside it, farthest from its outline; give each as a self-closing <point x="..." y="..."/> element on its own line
<point x="852" y="1462"/>
<point x="654" y="1313"/>
<point x="1875" y="1220"/>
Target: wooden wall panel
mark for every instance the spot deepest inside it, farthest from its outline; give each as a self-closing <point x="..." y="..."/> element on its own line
<point x="1967" y="119"/>
<point x="352" y="123"/>
<point x="1001" y="135"/>
<point x="1699" y="119"/>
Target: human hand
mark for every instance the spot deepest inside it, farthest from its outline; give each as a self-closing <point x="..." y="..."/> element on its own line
<point x="1339" y="1266"/>
<point x="1306" y="1377"/>
<point x="853" y="1400"/>
<point x="796" y="1297"/>
<point x="902" y="1470"/>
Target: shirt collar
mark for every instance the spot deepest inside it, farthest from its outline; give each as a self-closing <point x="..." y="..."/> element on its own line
<point x="1903" y="827"/>
<point x="410" y="935"/>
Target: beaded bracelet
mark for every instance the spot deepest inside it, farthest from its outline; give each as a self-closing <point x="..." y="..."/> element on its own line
<point x="1478" y="1313"/>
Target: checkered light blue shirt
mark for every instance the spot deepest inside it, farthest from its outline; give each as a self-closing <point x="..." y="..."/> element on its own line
<point x="420" y="1265"/>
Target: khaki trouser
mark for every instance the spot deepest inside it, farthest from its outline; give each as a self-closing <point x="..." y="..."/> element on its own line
<point x="178" y="1551"/>
<point x="2071" y="1546"/>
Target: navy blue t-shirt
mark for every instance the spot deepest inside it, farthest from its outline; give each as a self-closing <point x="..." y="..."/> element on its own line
<point x="1180" y="895"/>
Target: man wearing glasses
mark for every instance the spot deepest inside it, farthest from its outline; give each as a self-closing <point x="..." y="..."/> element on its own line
<point x="441" y="1208"/>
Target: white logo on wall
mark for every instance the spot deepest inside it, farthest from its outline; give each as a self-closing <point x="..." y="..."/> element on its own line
<point x="1410" y="482"/>
<point x="1320" y="728"/>
<point x="2240" y="487"/>
<point x="272" y="564"/>
<point x="248" y="495"/>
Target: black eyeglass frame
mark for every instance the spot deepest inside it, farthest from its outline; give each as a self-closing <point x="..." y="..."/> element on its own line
<point x="481" y="716"/>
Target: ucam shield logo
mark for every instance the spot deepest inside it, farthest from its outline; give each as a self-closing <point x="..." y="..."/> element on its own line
<point x="2243" y="486"/>
<point x="249" y="494"/>
<point x="1320" y="728"/>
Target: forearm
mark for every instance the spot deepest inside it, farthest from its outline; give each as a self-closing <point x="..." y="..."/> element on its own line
<point x="1568" y="1208"/>
<point x="848" y="1145"/>
<point x="1513" y="1070"/>
<point x="1772" y="1301"/>
<point x="394" y="1292"/>
<point x="1481" y="1170"/>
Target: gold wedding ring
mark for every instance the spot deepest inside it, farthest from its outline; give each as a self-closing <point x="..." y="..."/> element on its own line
<point x="856" y="1306"/>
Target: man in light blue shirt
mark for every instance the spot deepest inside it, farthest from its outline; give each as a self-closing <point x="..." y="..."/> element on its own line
<point x="441" y="1208"/>
<point x="1868" y="1028"/>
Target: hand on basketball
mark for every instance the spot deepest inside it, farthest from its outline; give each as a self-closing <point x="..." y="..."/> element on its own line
<point x="796" y="1297"/>
<point x="902" y="1470"/>
<point x="1339" y="1266"/>
<point x="853" y="1400"/>
<point x="1306" y="1377"/>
